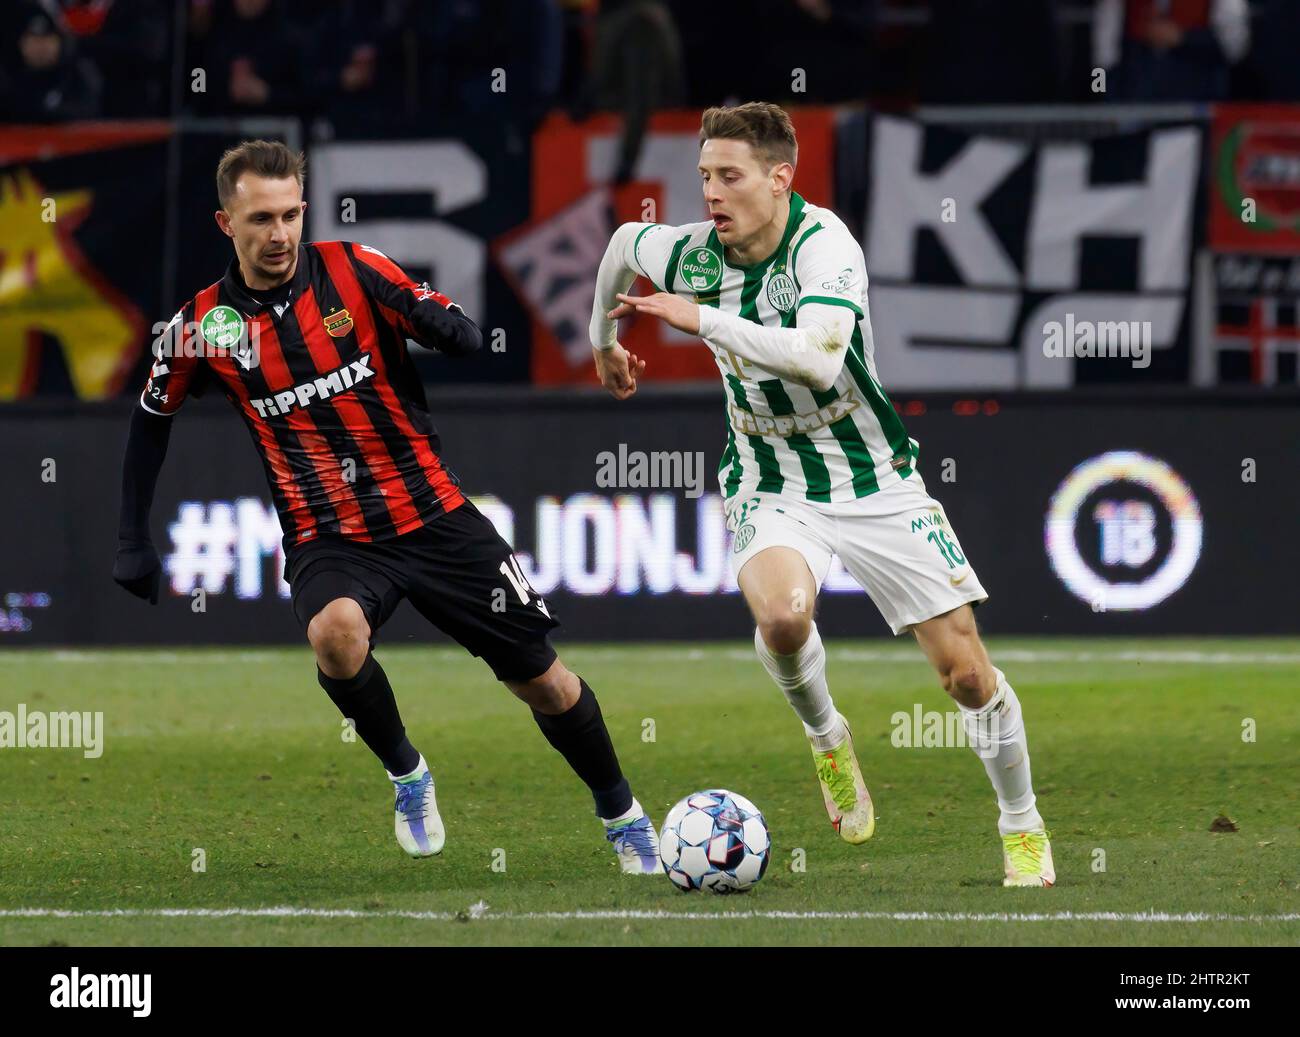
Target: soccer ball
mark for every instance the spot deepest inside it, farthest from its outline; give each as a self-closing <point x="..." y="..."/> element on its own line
<point x="714" y="840"/>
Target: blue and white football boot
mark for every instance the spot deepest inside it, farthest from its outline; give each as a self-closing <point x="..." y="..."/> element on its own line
<point x="636" y="843"/>
<point x="415" y="814"/>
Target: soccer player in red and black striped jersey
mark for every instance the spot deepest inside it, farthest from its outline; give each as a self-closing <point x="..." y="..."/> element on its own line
<point x="308" y="341"/>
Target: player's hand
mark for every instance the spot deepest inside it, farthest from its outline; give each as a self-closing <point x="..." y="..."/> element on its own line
<point x="138" y="569"/>
<point x="618" y="370"/>
<point x="671" y="309"/>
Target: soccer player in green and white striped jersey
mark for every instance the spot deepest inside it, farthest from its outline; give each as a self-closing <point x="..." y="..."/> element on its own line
<point x="817" y="463"/>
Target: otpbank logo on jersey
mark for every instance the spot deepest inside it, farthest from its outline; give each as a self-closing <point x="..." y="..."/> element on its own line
<point x="701" y="269"/>
<point x="341" y="379"/>
<point x="220" y="332"/>
<point x="222" y="327"/>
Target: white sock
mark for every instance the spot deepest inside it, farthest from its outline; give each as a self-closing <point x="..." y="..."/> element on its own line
<point x="802" y="679"/>
<point x="997" y="733"/>
<point x="631" y="814"/>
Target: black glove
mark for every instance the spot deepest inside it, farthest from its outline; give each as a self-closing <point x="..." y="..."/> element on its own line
<point x="138" y="569"/>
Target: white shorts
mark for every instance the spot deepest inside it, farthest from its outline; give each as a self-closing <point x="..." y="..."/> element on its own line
<point x="897" y="545"/>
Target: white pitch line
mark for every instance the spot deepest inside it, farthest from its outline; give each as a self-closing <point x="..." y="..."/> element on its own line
<point x="856" y="655"/>
<point x="481" y="913"/>
<point x="1036" y="655"/>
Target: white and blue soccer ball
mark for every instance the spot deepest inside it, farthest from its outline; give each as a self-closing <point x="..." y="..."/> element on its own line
<point x="714" y="840"/>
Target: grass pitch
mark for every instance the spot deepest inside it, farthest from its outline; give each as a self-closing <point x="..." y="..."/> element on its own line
<point x="1137" y="747"/>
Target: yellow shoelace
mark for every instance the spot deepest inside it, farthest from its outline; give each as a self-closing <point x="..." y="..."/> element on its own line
<point x="1025" y="851"/>
<point x="839" y="779"/>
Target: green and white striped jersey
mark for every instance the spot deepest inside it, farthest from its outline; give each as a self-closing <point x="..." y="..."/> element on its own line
<point x="782" y="437"/>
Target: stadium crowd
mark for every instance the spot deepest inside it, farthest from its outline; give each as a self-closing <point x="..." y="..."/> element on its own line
<point x="374" y="66"/>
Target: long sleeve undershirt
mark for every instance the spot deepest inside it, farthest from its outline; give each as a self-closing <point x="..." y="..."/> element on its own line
<point x="146" y="447"/>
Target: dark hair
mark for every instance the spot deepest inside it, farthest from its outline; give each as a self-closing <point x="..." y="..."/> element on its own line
<point x="766" y="127"/>
<point x="268" y="158"/>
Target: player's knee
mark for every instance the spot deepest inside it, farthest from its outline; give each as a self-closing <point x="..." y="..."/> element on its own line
<point x="553" y="692"/>
<point x="340" y="637"/>
<point x="785" y="630"/>
<point x="968" y="680"/>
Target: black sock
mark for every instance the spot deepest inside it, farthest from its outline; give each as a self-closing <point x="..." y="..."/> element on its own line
<point x="367" y="699"/>
<point x="580" y="736"/>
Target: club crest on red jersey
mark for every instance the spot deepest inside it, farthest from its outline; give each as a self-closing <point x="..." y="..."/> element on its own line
<point x="338" y="323"/>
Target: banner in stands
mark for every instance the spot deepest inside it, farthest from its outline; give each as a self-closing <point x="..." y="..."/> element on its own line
<point x="554" y="260"/>
<point x="1106" y="518"/>
<point x="1255" y="233"/>
<point x="1255" y="179"/>
<point x="80" y="244"/>
<point x="999" y="263"/>
<point x="106" y="229"/>
<point x="995" y="263"/>
<point x="434" y="206"/>
<point x="1256" y="333"/>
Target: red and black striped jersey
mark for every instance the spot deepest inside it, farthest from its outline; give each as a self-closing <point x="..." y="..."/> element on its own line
<point x="324" y="382"/>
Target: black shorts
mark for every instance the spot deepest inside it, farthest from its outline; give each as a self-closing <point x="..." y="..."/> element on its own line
<point x="457" y="572"/>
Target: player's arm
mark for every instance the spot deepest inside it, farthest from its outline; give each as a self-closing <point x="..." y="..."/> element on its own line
<point x="633" y="250"/>
<point x="137" y="567"/>
<point x="415" y="310"/>
<point x="828" y="268"/>
<point x="811" y="353"/>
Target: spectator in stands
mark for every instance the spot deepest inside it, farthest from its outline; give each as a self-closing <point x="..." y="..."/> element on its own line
<point x="355" y="77"/>
<point x="252" y="54"/>
<point x="1169" y="50"/>
<point x="578" y="19"/>
<point x="42" y="78"/>
<point x="833" y="41"/>
<point x="491" y="62"/>
<point x="991" y="52"/>
<point x="636" y="69"/>
<point x="130" y="43"/>
<point x="1274" y="64"/>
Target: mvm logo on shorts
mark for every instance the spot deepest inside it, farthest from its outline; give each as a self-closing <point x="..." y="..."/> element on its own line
<point x="339" y="380"/>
